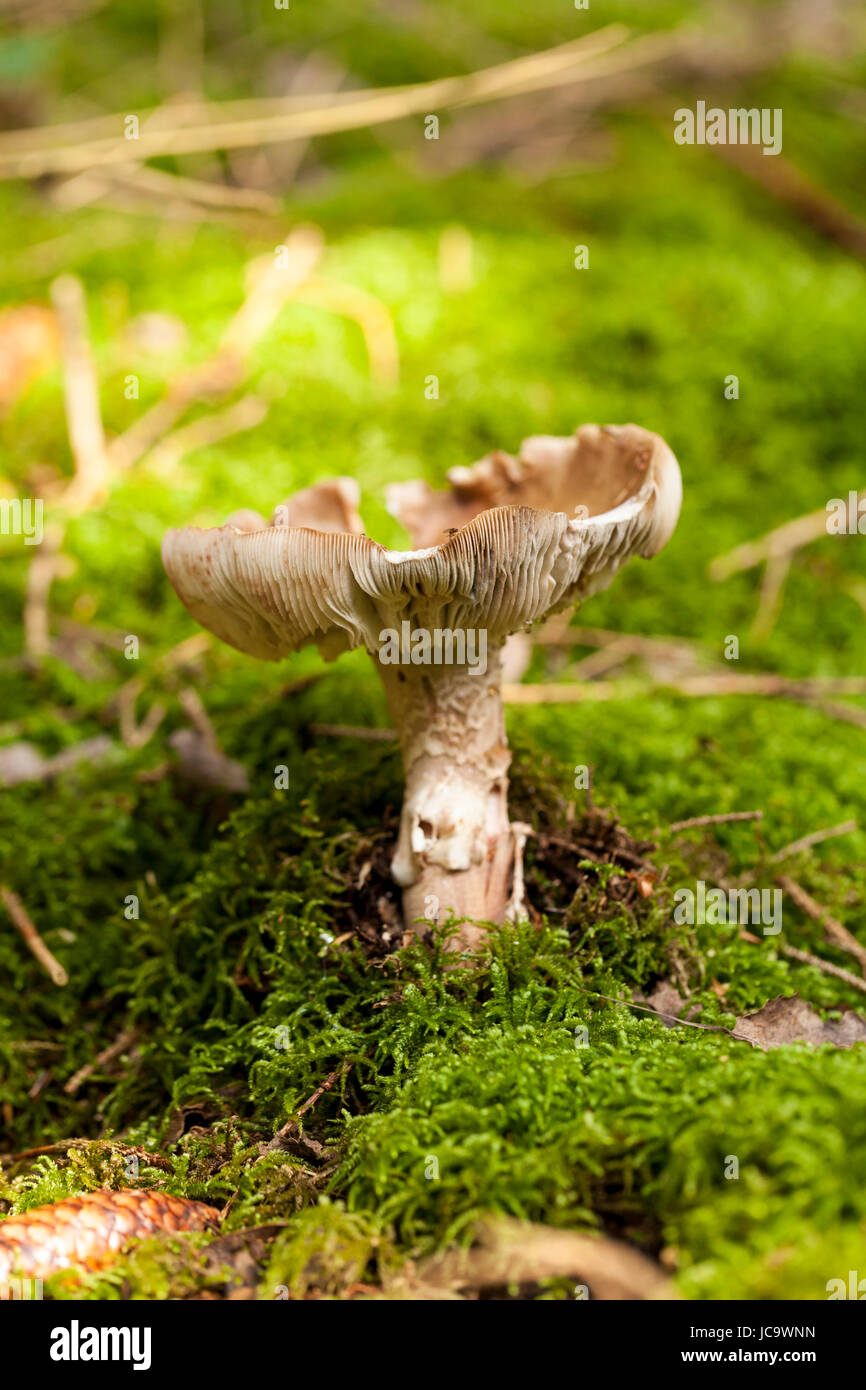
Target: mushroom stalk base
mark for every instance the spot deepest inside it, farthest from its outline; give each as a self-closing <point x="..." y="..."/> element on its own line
<point x="455" y="849"/>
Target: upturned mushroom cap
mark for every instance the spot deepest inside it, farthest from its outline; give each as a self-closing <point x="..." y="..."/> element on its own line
<point x="531" y="535"/>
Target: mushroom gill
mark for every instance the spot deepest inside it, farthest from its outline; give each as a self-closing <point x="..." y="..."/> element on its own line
<point x="514" y="540"/>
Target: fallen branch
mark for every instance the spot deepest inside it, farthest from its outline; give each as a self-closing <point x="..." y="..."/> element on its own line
<point x="849" y="713"/>
<point x="33" y="941"/>
<point x="783" y="181"/>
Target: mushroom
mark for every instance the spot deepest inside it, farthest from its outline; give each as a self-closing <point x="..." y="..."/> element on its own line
<point x="514" y="540"/>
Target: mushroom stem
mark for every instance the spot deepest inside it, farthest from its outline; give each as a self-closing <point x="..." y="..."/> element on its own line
<point x="455" y="848"/>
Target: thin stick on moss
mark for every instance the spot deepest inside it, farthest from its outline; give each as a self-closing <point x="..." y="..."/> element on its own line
<point x="782" y="540"/>
<point x="87" y="442"/>
<point x="816" y="837"/>
<point x="21" y="920"/>
<point x="371" y="316"/>
<point x="833" y="929"/>
<point x="337" y="1073"/>
<point x="720" y="818"/>
<point x="809" y="688"/>
<point x="108" y="1054"/>
<point x="790" y="186"/>
<point x="226" y="369"/>
<point x="825" y="966"/>
<point x="242" y="415"/>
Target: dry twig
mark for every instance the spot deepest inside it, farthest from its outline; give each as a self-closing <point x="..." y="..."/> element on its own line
<point x="805" y="958"/>
<point x="833" y="929"/>
<point x="815" y="838"/>
<point x="579" y="60"/>
<point x="108" y="1054"/>
<point x="20" y="919"/>
<point x="720" y="818"/>
<point x="87" y="441"/>
<point x="776" y="544"/>
<point x="371" y="316"/>
<point x="242" y="415"/>
<point x="222" y="373"/>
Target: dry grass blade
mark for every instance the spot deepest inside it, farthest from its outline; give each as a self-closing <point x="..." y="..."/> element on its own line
<point x="157" y="184"/>
<point x="371" y="316"/>
<point x="368" y="733"/>
<point x="271" y="289"/>
<point x="569" y="62"/>
<point x="776" y="544"/>
<point x="245" y="414"/>
<point x="87" y="442"/>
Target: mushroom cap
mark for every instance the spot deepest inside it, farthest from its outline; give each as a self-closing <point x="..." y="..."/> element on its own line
<point x="531" y="535"/>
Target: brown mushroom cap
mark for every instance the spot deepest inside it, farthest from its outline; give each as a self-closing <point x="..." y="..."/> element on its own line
<point x="519" y="550"/>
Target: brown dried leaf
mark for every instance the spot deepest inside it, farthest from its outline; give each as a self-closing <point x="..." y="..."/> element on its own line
<point x="788" y="1018"/>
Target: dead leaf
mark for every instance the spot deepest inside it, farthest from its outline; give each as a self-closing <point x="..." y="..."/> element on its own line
<point x="788" y="1018"/>
<point x="666" y="1001"/>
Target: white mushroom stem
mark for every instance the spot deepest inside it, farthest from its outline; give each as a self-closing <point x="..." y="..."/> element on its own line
<point x="455" y="849"/>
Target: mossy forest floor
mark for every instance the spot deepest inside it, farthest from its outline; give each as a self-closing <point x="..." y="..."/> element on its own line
<point x="246" y="980"/>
